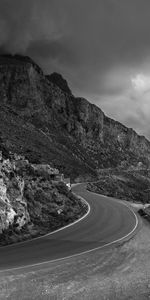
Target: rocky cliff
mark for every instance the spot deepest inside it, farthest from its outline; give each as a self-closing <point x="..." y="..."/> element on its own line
<point x="13" y="207"/>
<point x="58" y="80"/>
<point x="40" y="118"/>
<point x="31" y="204"/>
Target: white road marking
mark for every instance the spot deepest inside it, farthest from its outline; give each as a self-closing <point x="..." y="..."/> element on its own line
<point x="84" y="252"/>
<point x="62" y="228"/>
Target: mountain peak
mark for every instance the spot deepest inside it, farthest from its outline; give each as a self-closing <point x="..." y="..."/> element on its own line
<point x="58" y="80"/>
<point x="18" y="59"/>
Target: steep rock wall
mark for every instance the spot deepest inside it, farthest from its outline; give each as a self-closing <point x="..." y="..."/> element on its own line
<point x="72" y="125"/>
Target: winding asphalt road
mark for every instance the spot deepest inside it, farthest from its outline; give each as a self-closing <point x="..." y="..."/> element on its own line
<point x="108" y="221"/>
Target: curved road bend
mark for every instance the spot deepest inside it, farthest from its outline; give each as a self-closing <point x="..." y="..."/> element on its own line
<point x="107" y="221"/>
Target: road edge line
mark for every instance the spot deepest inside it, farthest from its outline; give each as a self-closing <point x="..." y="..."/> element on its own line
<point x="84" y="252"/>
<point x="57" y="230"/>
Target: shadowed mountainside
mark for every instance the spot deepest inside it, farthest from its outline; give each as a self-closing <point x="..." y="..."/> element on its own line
<point x="41" y="119"/>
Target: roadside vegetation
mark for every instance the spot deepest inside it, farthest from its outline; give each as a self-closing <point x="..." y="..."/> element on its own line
<point x="38" y="205"/>
<point x="128" y="185"/>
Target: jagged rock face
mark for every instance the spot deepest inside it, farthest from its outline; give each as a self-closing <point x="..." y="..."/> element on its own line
<point x="70" y="132"/>
<point x="30" y="201"/>
<point x="58" y="80"/>
<point x="13" y="205"/>
<point x="20" y="85"/>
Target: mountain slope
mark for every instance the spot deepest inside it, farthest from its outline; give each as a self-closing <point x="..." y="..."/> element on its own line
<point x="40" y="118"/>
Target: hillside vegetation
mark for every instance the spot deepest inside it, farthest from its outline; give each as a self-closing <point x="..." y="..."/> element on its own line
<point x="31" y="204"/>
<point x="127" y="185"/>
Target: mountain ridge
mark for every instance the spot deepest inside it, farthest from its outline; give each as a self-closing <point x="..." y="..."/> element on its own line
<point x="41" y="119"/>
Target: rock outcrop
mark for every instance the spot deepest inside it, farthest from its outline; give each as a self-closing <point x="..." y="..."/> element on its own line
<point x="31" y="203"/>
<point x="58" y="80"/>
<point x="13" y="205"/>
<point x="41" y="119"/>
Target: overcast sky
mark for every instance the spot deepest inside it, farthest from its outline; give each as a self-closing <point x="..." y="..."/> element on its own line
<point x="102" y="47"/>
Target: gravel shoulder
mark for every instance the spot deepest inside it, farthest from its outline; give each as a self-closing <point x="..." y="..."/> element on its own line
<point x="121" y="271"/>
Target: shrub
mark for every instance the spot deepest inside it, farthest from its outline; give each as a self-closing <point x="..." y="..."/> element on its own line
<point x="62" y="188"/>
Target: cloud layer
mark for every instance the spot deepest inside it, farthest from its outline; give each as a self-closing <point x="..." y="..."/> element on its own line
<point x="102" y="47"/>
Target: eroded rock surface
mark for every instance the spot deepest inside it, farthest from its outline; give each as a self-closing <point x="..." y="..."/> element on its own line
<point x="13" y="205"/>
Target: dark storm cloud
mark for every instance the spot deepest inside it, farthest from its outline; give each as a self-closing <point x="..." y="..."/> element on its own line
<point x="25" y="21"/>
<point x="97" y="44"/>
<point x="15" y="17"/>
<point x="54" y="49"/>
<point x="97" y="34"/>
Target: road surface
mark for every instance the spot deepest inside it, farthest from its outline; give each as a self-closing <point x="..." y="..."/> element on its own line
<point x="108" y="221"/>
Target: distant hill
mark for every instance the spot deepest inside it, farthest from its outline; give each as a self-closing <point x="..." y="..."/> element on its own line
<point x="41" y="119"/>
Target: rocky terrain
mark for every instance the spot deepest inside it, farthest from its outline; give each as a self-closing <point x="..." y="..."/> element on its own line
<point x="41" y="119"/>
<point x="31" y="203"/>
<point x="60" y="82"/>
